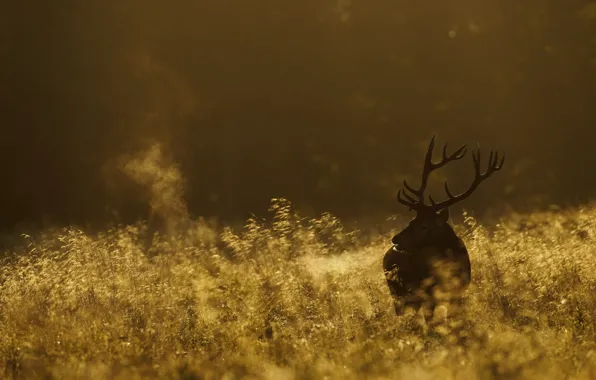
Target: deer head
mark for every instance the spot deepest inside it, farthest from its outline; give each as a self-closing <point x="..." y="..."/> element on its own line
<point x="430" y="227"/>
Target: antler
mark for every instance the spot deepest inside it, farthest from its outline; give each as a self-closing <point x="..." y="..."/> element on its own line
<point x="493" y="166"/>
<point x="417" y="203"/>
<point x="429" y="166"/>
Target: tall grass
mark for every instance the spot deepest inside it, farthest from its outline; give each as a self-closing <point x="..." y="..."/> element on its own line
<point x="294" y="298"/>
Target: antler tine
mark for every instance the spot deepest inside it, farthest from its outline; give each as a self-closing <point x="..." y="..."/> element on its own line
<point x="501" y="163"/>
<point x="410" y="188"/>
<point x="457" y="155"/>
<point x="432" y="201"/>
<point x="447" y="190"/>
<point x="445" y="152"/>
<point x="493" y="164"/>
<point x="409" y="201"/>
<point x="429" y="151"/>
<point x="498" y="165"/>
<point x="476" y="159"/>
<point x="490" y="160"/>
<point x="461" y="152"/>
<point x="409" y="198"/>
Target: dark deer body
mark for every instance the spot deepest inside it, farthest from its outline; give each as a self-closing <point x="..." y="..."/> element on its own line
<point x="428" y="263"/>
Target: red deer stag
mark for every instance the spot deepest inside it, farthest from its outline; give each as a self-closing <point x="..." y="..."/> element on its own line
<point x="427" y="257"/>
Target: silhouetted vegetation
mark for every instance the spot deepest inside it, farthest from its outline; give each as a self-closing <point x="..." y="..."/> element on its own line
<point x="294" y="298"/>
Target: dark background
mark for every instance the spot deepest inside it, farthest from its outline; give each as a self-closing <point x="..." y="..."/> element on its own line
<point x="329" y="103"/>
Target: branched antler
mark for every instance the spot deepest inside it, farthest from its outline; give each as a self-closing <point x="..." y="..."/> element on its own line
<point x="417" y="203"/>
<point x="429" y="166"/>
<point x="493" y="166"/>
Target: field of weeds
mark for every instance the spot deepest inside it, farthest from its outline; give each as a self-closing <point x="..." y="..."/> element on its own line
<point x="294" y="298"/>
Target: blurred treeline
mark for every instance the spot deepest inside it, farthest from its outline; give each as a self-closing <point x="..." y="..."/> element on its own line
<point x="329" y="103"/>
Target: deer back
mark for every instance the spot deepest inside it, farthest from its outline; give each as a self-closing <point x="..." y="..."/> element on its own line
<point x="428" y="248"/>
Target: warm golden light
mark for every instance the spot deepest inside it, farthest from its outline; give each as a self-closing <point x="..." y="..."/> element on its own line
<point x="206" y="189"/>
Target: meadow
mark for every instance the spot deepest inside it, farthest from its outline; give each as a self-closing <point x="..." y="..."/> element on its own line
<point x="294" y="298"/>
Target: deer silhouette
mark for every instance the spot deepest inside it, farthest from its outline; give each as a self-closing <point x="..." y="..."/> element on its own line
<point x="428" y="263"/>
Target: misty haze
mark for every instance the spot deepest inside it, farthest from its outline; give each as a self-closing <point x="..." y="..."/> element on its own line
<point x="207" y="189"/>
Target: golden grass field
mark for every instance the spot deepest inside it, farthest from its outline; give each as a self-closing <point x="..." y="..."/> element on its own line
<point x="294" y="299"/>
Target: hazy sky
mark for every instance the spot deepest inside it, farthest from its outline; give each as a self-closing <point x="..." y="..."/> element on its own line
<point x="328" y="103"/>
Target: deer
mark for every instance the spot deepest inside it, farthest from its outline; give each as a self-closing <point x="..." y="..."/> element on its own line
<point x="428" y="263"/>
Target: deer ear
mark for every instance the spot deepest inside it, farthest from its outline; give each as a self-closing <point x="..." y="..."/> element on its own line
<point x="444" y="214"/>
